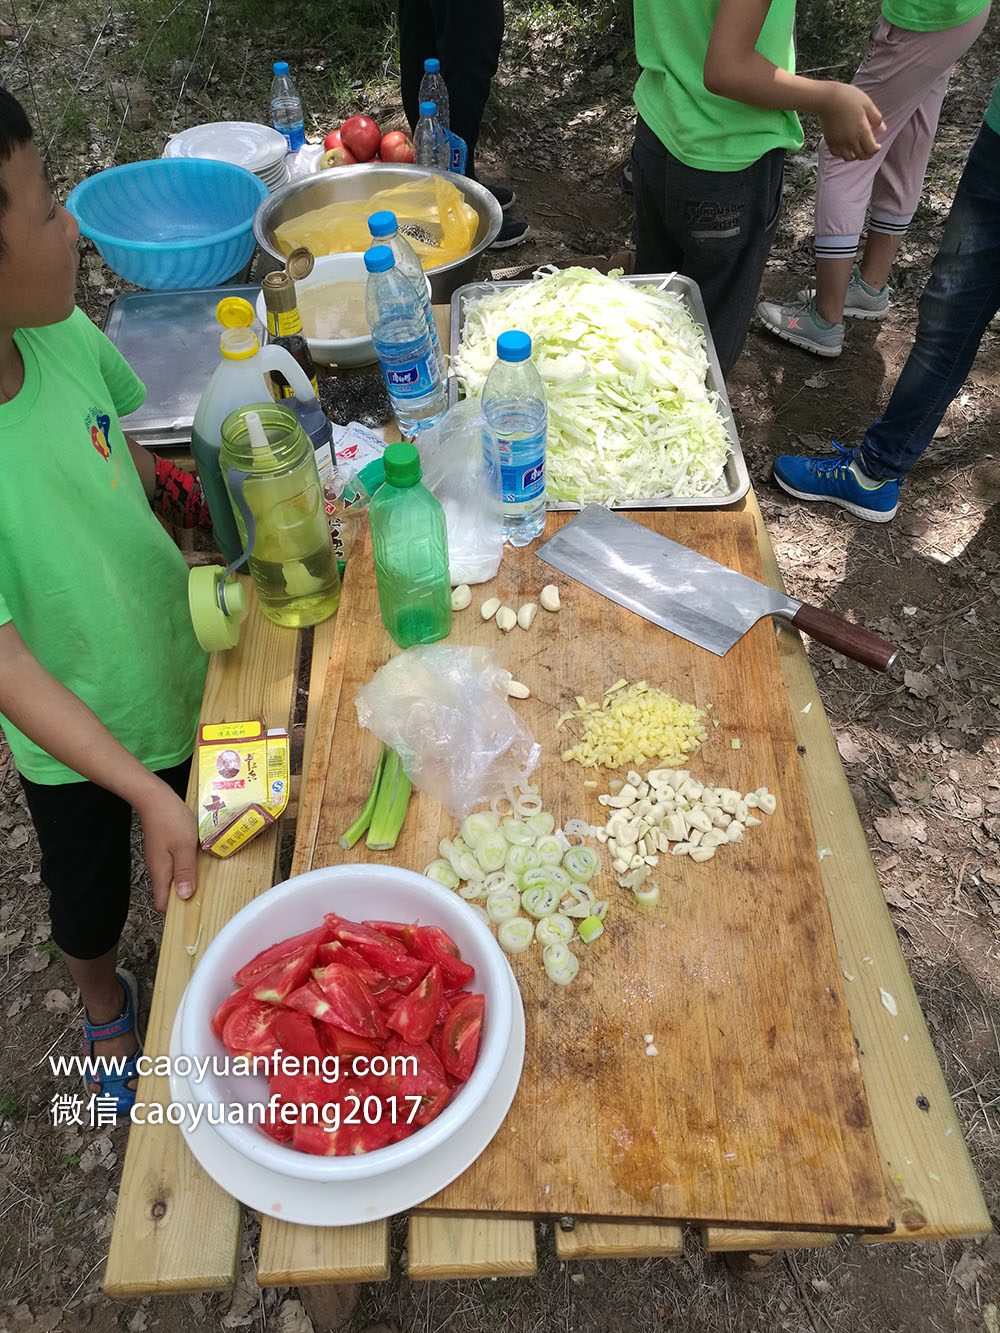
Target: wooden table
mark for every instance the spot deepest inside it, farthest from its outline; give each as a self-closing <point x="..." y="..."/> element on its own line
<point x="176" y="1231"/>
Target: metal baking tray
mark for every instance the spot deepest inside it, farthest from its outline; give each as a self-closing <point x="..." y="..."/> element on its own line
<point x="171" y="341"/>
<point x="735" y="478"/>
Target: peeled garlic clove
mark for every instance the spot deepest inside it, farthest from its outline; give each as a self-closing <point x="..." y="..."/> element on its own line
<point x="549" y="597"/>
<point x="526" y="614"/>
<point x="489" y="608"/>
<point x="506" y="618"/>
<point x="516" y="690"/>
<point x="461" y="597"/>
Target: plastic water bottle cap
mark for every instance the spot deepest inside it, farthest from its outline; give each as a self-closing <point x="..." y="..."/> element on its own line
<point x="513" y="346"/>
<point x="379" y="259"/>
<point x="233" y="312"/>
<point x="432" y="66"/>
<point x="428" y="108"/>
<point x="281" y="67"/>
<point x="383" y="223"/>
<point x="402" y="464"/>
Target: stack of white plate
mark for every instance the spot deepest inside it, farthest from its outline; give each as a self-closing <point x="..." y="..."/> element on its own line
<point x="259" y="148"/>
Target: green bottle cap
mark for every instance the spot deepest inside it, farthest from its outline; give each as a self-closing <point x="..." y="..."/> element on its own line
<point x="402" y="464"/>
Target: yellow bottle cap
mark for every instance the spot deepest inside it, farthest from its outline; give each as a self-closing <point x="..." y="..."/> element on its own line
<point x="233" y="312"/>
<point x="238" y="344"/>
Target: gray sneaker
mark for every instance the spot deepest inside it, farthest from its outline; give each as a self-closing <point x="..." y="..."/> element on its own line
<point x="798" y="323"/>
<point x="863" y="302"/>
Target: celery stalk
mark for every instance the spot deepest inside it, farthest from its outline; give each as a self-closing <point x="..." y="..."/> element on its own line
<point x="390" y="805"/>
<point x="350" y="837"/>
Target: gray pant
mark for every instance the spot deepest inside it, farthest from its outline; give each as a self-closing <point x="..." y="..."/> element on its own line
<point x="715" y="227"/>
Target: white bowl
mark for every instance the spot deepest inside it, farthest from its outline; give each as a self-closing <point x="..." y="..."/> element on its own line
<point x="379" y="892"/>
<point x="343" y="352"/>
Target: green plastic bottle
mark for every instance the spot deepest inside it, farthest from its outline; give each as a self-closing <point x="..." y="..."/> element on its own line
<point x="410" y="542"/>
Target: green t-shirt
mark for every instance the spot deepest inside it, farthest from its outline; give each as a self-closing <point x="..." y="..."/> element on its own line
<point x="92" y="582"/>
<point x="993" y="110"/>
<point x="704" y="131"/>
<point x="931" y="15"/>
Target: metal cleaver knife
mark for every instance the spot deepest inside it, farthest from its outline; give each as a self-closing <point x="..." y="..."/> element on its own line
<point x="704" y="602"/>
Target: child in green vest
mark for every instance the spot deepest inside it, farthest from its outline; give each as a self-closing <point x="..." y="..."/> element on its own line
<point x="101" y="677"/>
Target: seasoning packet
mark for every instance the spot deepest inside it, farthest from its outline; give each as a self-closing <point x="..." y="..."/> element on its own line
<point x="242" y="782"/>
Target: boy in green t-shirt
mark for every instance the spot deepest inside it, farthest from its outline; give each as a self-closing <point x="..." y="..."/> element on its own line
<point x="101" y="677"/>
<point x="717" y="98"/>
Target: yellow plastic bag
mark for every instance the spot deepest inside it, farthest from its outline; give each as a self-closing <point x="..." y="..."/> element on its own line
<point x="432" y="215"/>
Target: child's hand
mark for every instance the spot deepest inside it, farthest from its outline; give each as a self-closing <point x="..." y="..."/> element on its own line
<point x="850" y="120"/>
<point x="170" y="833"/>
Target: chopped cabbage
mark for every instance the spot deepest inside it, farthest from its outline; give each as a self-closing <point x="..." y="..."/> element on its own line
<point x="624" y="365"/>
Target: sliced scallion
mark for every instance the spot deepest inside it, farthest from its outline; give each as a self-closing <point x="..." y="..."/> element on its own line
<point x="443" y="873"/>
<point x="581" y="862"/>
<point x="561" y="966"/>
<point x="591" y="928"/>
<point x="491" y="850"/>
<point x="557" y="929"/>
<point x="516" y="934"/>
<point x="542" y="900"/>
<point x="360" y="825"/>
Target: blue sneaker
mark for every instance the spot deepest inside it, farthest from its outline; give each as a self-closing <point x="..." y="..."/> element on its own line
<point x="840" y="481"/>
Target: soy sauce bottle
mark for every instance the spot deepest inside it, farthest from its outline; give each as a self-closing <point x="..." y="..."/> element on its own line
<point x="284" y="327"/>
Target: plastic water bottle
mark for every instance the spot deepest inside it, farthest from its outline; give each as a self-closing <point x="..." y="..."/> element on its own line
<point x="402" y="344"/>
<point x="286" y="107"/>
<point x="385" y="230"/>
<point x="431" y="146"/>
<point x="514" y="405"/>
<point x="434" y="89"/>
<point x="410" y="545"/>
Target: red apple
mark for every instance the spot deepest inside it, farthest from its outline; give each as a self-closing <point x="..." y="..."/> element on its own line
<point x="332" y="140"/>
<point x="396" y="147"/>
<point x="338" y="157"/>
<point x="362" y="136"/>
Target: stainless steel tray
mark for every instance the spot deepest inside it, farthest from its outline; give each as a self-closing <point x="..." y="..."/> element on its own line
<point x="171" y="341"/>
<point x="735" y="478"/>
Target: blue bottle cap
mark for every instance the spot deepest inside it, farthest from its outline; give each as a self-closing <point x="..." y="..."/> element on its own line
<point x="432" y="66"/>
<point x="428" y="108"/>
<point x="513" y="345"/>
<point x="281" y="67"/>
<point x="383" y="223"/>
<point x="379" y="259"/>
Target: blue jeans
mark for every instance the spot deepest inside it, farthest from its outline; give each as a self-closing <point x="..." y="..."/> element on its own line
<point x="960" y="299"/>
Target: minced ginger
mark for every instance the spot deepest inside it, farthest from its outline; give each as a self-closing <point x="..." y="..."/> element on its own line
<point x="632" y="724"/>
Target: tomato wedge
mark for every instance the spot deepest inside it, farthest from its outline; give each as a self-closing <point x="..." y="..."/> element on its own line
<point x="352" y="1005"/>
<point x="277" y="953"/>
<point x="249" y="1030"/>
<point x="406" y="934"/>
<point x="436" y="946"/>
<point x="460" y="1036"/>
<point x="228" y="1005"/>
<point x="338" y="1041"/>
<point x="337" y="952"/>
<point x="423" y="1077"/>
<point x="287" y="976"/>
<point x="414" y="1017"/>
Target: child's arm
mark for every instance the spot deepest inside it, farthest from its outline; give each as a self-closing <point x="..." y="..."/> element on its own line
<point x="175" y="494"/>
<point x="735" y="69"/>
<point x="55" y="719"/>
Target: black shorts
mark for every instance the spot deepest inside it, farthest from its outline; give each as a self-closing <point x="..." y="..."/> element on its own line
<point x="85" y="833"/>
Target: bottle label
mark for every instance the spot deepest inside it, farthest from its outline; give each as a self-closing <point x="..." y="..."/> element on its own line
<point x="523" y="479"/>
<point x="408" y="379"/>
<point x="280" y="323"/>
<point x="295" y="134"/>
<point x="459" y="152"/>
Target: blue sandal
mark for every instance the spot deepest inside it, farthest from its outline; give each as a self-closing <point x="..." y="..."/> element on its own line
<point x="114" y="1084"/>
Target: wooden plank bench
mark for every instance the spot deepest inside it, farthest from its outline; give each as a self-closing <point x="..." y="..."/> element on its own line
<point x="175" y="1230"/>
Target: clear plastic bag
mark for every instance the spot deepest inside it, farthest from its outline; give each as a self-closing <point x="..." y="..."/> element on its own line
<point x="432" y="215"/>
<point x="444" y="709"/>
<point x="460" y="460"/>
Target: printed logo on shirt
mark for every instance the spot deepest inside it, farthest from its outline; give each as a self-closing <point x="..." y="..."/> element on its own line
<point x="99" y="426"/>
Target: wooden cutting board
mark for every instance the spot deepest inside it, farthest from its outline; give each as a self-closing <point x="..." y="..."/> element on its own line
<point x="753" y="1111"/>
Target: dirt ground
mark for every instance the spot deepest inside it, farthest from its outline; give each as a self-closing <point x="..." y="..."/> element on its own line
<point x="920" y="747"/>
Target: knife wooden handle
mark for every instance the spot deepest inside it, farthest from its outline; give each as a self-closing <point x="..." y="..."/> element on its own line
<point x="845" y="637"/>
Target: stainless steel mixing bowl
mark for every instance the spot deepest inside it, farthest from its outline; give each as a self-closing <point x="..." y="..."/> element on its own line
<point x="341" y="184"/>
